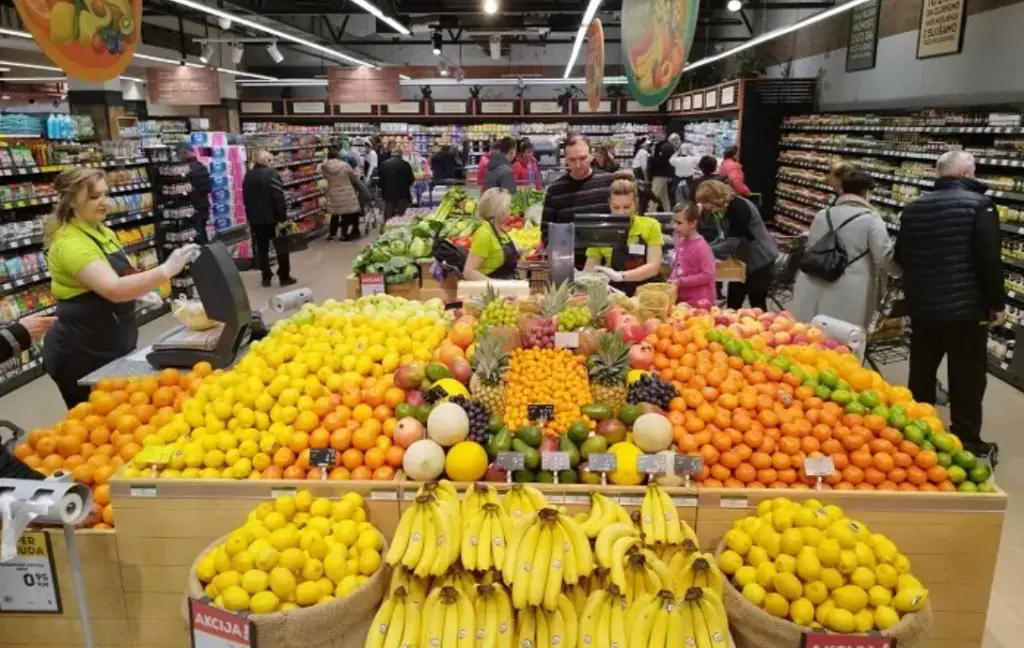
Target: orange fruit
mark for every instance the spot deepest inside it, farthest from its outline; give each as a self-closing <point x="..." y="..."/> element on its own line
<point x="853" y="475"/>
<point x="384" y="473"/>
<point x="341" y="439"/>
<point x="294" y="472"/>
<point x="364" y="438"/>
<point x="127" y="423"/>
<point x="101" y="494"/>
<point x="319" y="438"/>
<point x="53" y="462"/>
<point x="362" y="473"/>
<point x="352" y="458"/>
<point x="916" y="476"/>
<point x="339" y="474"/>
<point x="33" y="461"/>
<point x="83" y="474"/>
<point x="103" y="473"/>
<point x="394" y="456"/>
<point x="299" y="441"/>
<point x="374" y="458"/>
<point x="169" y="377"/>
<point x="22" y="451"/>
<point x="926" y="459"/>
<point x="202" y="369"/>
<point x="46" y="447"/>
<point x="273" y="472"/>
<point x="69" y="445"/>
<point x="129" y="450"/>
<point x="283" y="457"/>
<point x="108" y="514"/>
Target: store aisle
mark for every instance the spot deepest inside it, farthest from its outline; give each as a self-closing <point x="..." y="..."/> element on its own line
<point x="324" y="268"/>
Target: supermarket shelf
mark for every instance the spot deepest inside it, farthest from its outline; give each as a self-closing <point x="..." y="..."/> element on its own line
<point x="295" y="181"/>
<point x="1016" y="263"/>
<point x="913" y="128"/>
<point x="130" y="217"/>
<point x="56" y="168"/>
<point x="305" y="214"/>
<point x="792" y="213"/>
<point x="13" y="286"/>
<point x="21" y="375"/>
<point x="127" y="188"/>
<point x="1001" y="370"/>
<point x="1015" y="296"/>
<point x="292" y="148"/>
<point x="800" y="199"/>
<point x="28" y="202"/>
<point x="1012" y="229"/>
<point x="305" y="196"/>
<point x="15" y="244"/>
<point x="141" y="245"/>
<point x="314" y="160"/>
<point x="914" y="155"/>
<point x="45" y="310"/>
<point x="790" y="227"/>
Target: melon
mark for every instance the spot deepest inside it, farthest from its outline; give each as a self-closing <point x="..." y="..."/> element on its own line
<point x="652" y="432"/>
<point x="448" y="424"/>
<point x="423" y="460"/>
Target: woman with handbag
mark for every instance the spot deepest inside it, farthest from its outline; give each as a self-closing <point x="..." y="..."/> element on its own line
<point x="342" y="197"/>
<point x="849" y="291"/>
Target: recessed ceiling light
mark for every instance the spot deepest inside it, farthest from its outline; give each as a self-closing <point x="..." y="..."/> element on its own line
<point x="436" y="41"/>
<point x="490" y="6"/>
<point x="734" y="5"/>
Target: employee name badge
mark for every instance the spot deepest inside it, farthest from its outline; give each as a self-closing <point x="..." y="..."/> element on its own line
<point x="638" y="249"/>
<point x="28" y="583"/>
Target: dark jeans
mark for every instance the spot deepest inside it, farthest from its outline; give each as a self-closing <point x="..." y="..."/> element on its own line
<point x="265" y="234"/>
<point x="347" y="223"/>
<point x="965" y="345"/>
<point x="394" y="208"/>
<point x="755" y="289"/>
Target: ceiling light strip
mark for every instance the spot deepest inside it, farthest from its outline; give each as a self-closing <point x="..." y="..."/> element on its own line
<point x="31" y="66"/>
<point x="581" y="33"/>
<point x="198" y="6"/>
<point x="371" y="8"/>
<point x="496" y="81"/>
<point x="17" y="33"/>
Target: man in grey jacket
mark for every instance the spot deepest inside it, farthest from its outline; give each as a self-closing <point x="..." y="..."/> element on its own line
<point x="499" y="167"/>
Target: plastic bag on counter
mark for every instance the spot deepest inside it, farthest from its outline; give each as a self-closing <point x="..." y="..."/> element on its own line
<point x="191" y="313"/>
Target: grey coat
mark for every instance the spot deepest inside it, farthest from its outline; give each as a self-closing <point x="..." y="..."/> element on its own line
<point x="499" y="173"/>
<point x="854" y="296"/>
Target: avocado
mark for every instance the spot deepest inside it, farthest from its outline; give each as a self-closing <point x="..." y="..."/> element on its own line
<point x="495" y="424"/>
<point x="565" y="444"/>
<point x="530" y="435"/>
<point x="567" y="477"/>
<point x="545" y="477"/>
<point x="596" y="411"/>
<point x="593" y="445"/>
<point x="578" y="431"/>
<point x="629" y="413"/>
<point x="531" y="457"/>
<point x="423" y="413"/>
<point x="524" y="476"/>
<point x="437" y="371"/>
<point x="499" y="442"/>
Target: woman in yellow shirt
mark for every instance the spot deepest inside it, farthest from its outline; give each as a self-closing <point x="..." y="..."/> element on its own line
<point x="492" y="255"/>
<point x="94" y="282"/>
<point x="637" y="259"/>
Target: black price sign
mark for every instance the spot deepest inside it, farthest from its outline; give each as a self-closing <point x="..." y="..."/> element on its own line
<point x="555" y="461"/>
<point x="687" y="465"/>
<point x="540" y="412"/>
<point x="435" y="394"/>
<point x="652" y="463"/>
<point x="511" y="460"/>
<point x="602" y="462"/>
<point x="321" y="457"/>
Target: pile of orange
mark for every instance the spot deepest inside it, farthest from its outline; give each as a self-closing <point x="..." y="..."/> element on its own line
<point x="755" y="425"/>
<point x="99" y="436"/>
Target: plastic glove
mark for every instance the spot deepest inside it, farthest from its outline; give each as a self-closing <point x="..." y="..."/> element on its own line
<point x="178" y="259"/>
<point x="613" y="275"/>
<point x="149" y="300"/>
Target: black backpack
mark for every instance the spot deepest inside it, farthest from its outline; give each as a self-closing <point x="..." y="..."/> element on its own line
<point x="827" y="259"/>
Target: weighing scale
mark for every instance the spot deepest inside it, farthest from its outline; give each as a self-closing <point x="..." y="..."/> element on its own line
<point x="224" y="298"/>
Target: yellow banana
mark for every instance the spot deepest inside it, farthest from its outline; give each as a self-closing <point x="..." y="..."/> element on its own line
<point x="485" y="614"/>
<point x="400" y="541"/>
<point x="701" y="632"/>
<point x="640" y="631"/>
<point x="604" y="622"/>
<point x="659" y="631"/>
<point x="541" y="565"/>
<point x="396" y="628"/>
<point x="607" y="538"/>
<point x="381" y="623"/>
<point x="589" y="617"/>
<point x="423" y="566"/>
<point x="535" y="497"/>
<point x="673" y="532"/>
<point x="716" y="624"/>
<point x="617" y="627"/>
<point x="618" y="559"/>
<point x="515" y="541"/>
<point x="527" y="628"/>
<point x="580" y="544"/>
<point x="450" y="607"/>
<point x="466" y="623"/>
<point x="506" y="617"/>
<point x="686" y="611"/>
<point x="557" y="628"/>
<point x="633" y="610"/>
<point x="433" y="615"/>
<point x="553" y="581"/>
<point x="572" y="625"/>
<point x="570" y="569"/>
<point x="411" y="633"/>
<point x="525" y="561"/>
<point x="414" y="549"/>
<point x="471" y="540"/>
<point x="543" y="628"/>
<point x="483" y="545"/>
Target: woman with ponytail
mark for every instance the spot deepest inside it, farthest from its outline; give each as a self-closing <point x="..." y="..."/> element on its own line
<point x="637" y="259"/>
<point x="94" y="282"/>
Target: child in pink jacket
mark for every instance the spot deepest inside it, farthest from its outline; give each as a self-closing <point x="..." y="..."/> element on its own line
<point x="694" y="266"/>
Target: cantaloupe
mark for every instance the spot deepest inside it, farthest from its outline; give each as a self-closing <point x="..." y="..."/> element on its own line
<point x="652" y="432"/>
<point x="423" y="461"/>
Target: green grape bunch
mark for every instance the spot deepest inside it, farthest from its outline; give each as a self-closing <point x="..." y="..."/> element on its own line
<point x="573" y="318"/>
<point x="499" y="313"/>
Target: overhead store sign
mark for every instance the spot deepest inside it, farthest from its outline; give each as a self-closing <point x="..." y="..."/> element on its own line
<point x="183" y="86"/>
<point x="656" y="39"/>
<point x="594" y="70"/>
<point x="942" y="28"/>
<point x="91" y="41"/>
<point x="862" y="39"/>
<point x="363" y="85"/>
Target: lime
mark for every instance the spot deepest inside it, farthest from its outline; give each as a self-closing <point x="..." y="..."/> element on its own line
<point x="987" y="487"/>
<point x="799" y="373"/>
<point x="957" y="475"/>
<point x="782" y="362"/>
<point x="842" y="396"/>
<point x="732" y="347"/>
<point x="980" y="473"/>
<point x="845" y="386"/>
<point x="828" y="378"/>
<point x="944" y="442"/>
<point x="967" y="487"/>
<point x="897" y="417"/>
<point x="628" y="414"/>
<point x="944" y="459"/>
<point x="714" y="335"/>
<point x="965" y="459"/>
<point x="405" y="410"/>
<point x="579" y="430"/>
<point x="823" y="392"/>
<point x="914" y="434"/>
<point x="494" y="424"/>
<point x="869" y="399"/>
<point x="880" y="410"/>
<point x="856" y="408"/>
<point x="927" y="445"/>
<point x="748" y="356"/>
<point x="423" y="413"/>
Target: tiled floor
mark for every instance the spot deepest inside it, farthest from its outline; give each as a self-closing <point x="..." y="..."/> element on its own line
<point x="324" y="267"/>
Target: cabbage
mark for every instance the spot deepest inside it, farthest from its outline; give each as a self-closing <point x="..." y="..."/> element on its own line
<point x="421" y="248"/>
<point x="397" y="248"/>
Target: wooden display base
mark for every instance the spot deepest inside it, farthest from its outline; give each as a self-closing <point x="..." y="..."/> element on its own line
<point x="136" y="575"/>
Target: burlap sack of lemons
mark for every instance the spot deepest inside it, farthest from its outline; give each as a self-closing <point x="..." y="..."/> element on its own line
<point x="342" y="623"/>
<point x="752" y="627"/>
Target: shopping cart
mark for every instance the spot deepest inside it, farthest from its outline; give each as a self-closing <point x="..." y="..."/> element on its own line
<point x="373" y="211"/>
<point x="787" y="265"/>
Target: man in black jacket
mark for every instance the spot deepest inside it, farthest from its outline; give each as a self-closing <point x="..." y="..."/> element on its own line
<point x="266" y="210"/>
<point x="661" y="172"/>
<point x="948" y="247"/>
<point x="396" y="179"/>
<point x="199" y="195"/>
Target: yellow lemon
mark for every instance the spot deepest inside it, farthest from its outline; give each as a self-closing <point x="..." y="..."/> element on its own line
<point x="282" y="583"/>
<point x="840" y="620"/>
<point x="754" y="593"/>
<point x="236" y="599"/>
<point x="801" y="612"/>
<point x="255" y="581"/>
<point x="369" y="562"/>
<point x="308" y="593"/>
<point x="776" y="605"/>
<point x="264" y="603"/>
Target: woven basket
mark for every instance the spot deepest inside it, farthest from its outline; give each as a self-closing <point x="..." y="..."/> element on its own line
<point x="752" y="627"/>
<point x="653" y="303"/>
<point x="667" y="289"/>
<point x="343" y="623"/>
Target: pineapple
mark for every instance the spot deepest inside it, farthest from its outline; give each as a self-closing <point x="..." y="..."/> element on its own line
<point x="490" y="364"/>
<point x="598" y="303"/>
<point x="607" y="371"/>
<point x="554" y="300"/>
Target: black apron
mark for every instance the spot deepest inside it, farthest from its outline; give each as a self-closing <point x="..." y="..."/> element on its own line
<point x="622" y="260"/>
<point x="90" y="332"/>
<point x="507" y="269"/>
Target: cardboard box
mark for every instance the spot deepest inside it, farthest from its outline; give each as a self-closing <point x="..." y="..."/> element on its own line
<point x="409" y="290"/>
<point x="427" y="280"/>
<point x="352" y="287"/>
<point x="731" y="270"/>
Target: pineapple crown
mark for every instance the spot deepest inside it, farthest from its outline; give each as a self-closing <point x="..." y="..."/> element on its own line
<point x="490" y="360"/>
<point x="554" y="299"/>
<point x="598" y="302"/>
<point x="611" y="362"/>
<point x="486" y="297"/>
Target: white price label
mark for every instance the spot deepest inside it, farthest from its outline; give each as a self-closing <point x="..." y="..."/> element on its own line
<point x="567" y="339"/>
<point x="386" y="495"/>
<point x="733" y="502"/>
<point x="282" y="492"/>
<point x="631" y="500"/>
<point x="685" y="501"/>
<point x="29" y="582"/>
<point x="819" y="466"/>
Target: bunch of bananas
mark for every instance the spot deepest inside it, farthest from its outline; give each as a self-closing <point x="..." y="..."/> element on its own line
<point x="475" y="497"/>
<point x="603" y="511"/>
<point x="448" y="619"/>
<point x="548" y="628"/>
<point x="523" y="500"/>
<point x="495" y="619"/>
<point x="603" y="620"/>
<point x="486" y="535"/>
<point x="397" y="622"/>
<point x="428" y="538"/>
<point x="639" y="573"/>
<point x="662" y="621"/>
<point x="659" y="519"/>
<point x="546" y="550"/>
<point x="416" y="588"/>
<point x="699" y="571"/>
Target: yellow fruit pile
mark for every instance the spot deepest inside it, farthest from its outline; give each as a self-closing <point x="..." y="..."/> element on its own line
<point x="297" y="552"/>
<point x="812" y="565"/>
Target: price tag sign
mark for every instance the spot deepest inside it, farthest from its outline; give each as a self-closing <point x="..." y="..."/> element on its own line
<point x="283" y="492"/>
<point x="511" y="460"/>
<point x="652" y="464"/>
<point x="819" y="466"/>
<point x="385" y="494"/>
<point x="555" y="461"/>
<point x="435" y="394"/>
<point x="829" y="640"/>
<point x="371" y="284"/>
<point x="602" y="462"/>
<point x="322" y="457"/>
<point x="540" y="412"/>
<point x="142" y="491"/>
<point x="687" y="465"/>
<point x="631" y="500"/>
<point x="213" y="627"/>
<point x="733" y="502"/>
<point x="567" y="339"/>
<point x="28" y="583"/>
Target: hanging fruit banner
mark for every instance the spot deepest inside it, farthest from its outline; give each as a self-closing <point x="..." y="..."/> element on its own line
<point x="656" y="39"/>
<point x="91" y="40"/>
<point x="594" y="71"/>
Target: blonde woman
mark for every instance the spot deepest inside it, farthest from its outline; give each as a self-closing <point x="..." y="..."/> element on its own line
<point x="492" y="255"/>
<point x="94" y="282"/>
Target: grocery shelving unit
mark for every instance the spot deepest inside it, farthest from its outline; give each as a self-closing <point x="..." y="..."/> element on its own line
<point x="900" y="151"/>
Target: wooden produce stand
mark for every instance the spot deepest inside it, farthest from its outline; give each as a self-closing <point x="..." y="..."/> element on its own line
<point x="951" y="539"/>
<point x="108" y="605"/>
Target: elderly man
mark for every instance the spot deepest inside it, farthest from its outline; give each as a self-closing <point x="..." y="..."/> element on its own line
<point x="266" y="210"/>
<point x="396" y="180"/>
<point x="662" y="172"/>
<point x="948" y="248"/>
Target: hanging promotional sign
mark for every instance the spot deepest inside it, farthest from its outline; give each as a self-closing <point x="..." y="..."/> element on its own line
<point x="183" y="86"/>
<point x="656" y="39"/>
<point x="92" y="40"/>
<point x="594" y="71"/>
<point x="363" y="85"/>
